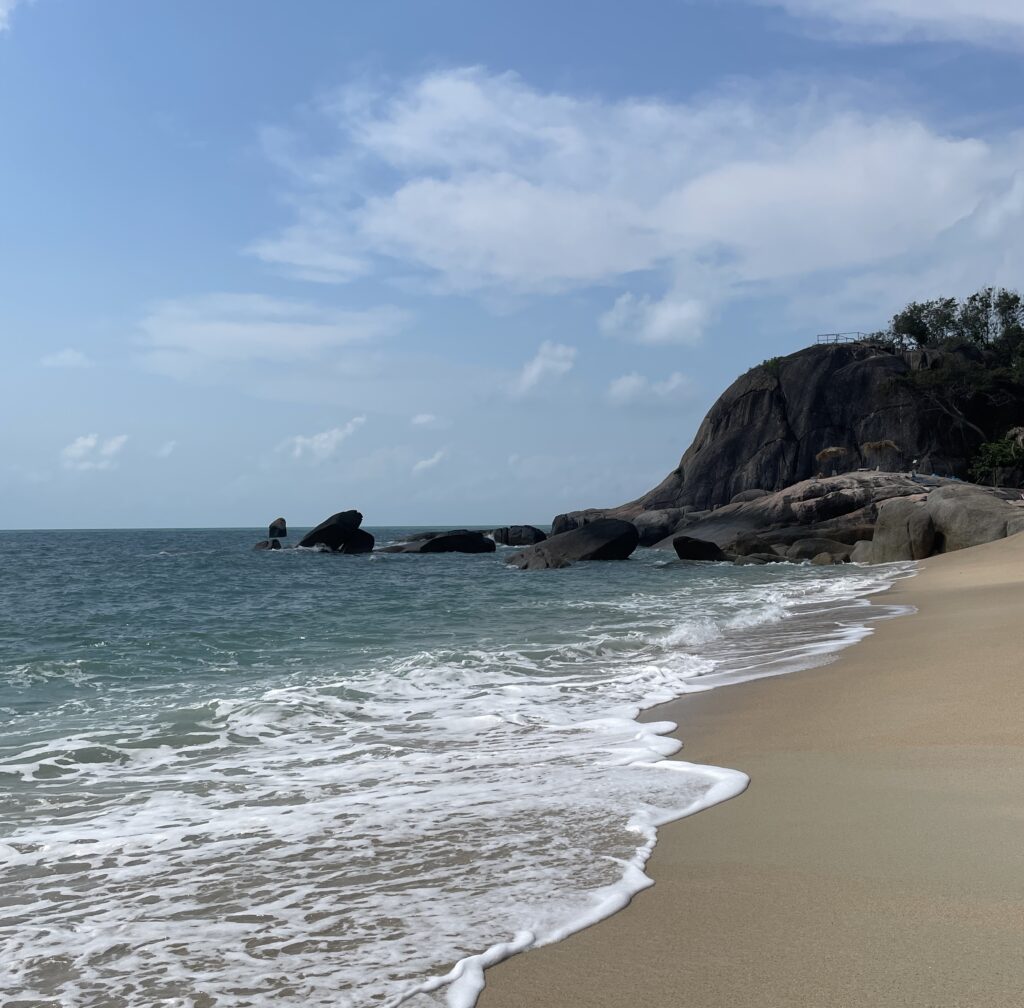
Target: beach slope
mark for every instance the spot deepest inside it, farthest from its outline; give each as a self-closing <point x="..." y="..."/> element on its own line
<point x="877" y="859"/>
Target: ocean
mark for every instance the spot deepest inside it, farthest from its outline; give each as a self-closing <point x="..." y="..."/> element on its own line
<point x="235" y="778"/>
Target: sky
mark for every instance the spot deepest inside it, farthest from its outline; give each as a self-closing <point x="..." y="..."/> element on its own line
<point x="460" y="262"/>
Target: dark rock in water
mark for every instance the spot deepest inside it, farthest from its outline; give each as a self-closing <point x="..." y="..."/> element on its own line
<point x="456" y="541"/>
<point x="268" y="544"/>
<point x="604" y="539"/>
<point x="333" y="532"/>
<point x="278" y="529"/>
<point x="421" y="536"/>
<point x="807" y="549"/>
<point x="688" y="548"/>
<point x="518" y="535"/>
<point x="358" y="541"/>
<point x="824" y="560"/>
<point x="577" y="519"/>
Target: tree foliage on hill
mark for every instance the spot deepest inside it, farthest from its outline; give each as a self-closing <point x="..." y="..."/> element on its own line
<point x="986" y="331"/>
<point x="991" y="319"/>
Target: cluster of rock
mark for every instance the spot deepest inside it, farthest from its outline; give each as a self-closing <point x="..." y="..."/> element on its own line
<point x="338" y="534"/>
<point x="768" y="430"/>
<point x="864" y="517"/>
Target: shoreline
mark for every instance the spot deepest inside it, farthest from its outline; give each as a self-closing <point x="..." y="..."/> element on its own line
<point x="874" y="860"/>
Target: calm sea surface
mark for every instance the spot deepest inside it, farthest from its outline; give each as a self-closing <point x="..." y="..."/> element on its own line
<point x="231" y="778"/>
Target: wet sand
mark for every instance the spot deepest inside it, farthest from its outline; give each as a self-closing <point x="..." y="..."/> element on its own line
<point x="877" y="858"/>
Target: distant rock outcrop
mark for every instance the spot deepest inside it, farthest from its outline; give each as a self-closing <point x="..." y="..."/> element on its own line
<point x="518" y="535"/>
<point x="278" y="529"/>
<point x="456" y="541"/>
<point x="606" y="539"/>
<point x="340" y="534"/>
<point x="830" y="407"/>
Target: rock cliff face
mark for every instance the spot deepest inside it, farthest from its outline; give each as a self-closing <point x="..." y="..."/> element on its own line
<point x="767" y="428"/>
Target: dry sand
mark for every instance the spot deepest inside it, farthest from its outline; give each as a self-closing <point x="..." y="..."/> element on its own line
<point x="877" y="858"/>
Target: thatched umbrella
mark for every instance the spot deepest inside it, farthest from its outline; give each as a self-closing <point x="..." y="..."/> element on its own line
<point x="880" y="452"/>
<point x="830" y="454"/>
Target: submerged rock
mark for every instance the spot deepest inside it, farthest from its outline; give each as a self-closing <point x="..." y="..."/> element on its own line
<point x="518" y="535"/>
<point x="688" y="548"/>
<point x="604" y="539"/>
<point x="268" y="544"/>
<point x="456" y="541"/>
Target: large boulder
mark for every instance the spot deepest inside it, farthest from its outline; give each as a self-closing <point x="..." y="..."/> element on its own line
<point x="966" y="515"/>
<point x="518" y="535"/>
<point x="456" y="541"/>
<point x="278" y="529"/>
<point x="655" y="525"/>
<point x="688" y="548"/>
<point x="333" y="532"/>
<point x="604" y="539"/>
<point x="904" y="531"/>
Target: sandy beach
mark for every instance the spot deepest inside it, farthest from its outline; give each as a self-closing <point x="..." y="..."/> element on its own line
<point x="877" y="857"/>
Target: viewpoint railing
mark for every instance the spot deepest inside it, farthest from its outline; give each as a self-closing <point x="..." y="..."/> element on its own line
<point x="842" y="337"/>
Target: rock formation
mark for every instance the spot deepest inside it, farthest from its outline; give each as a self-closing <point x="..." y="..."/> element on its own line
<point x="340" y="534"/>
<point x="605" y="539"/>
<point x="518" y="535"/>
<point x="456" y="541"/>
<point x="853" y="402"/>
<point x="278" y="529"/>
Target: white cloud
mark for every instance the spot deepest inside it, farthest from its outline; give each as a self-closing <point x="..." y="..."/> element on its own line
<point x="551" y="361"/>
<point x="192" y="333"/>
<point x="68" y="358"/>
<point x="6" y="9"/>
<point x="633" y="387"/>
<point x="423" y="420"/>
<point x="91" y="452"/>
<point x="672" y="319"/>
<point x="166" y="449"/>
<point x="428" y="463"/>
<point x="480" y="182"/>
<point x="987" y="22"/>
<point x="320" y="447"/>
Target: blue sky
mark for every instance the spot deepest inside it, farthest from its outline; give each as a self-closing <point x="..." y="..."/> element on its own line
<point x="459" y="261"/>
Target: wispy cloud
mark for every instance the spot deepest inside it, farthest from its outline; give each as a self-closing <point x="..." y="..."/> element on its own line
<point x="479" y="182"/>
<point x="6" y="9"/>
<point x="551" y="361"/>
<point x="424" y="420"/>
<point x="998" y="23"/>
<point x="192" y="333"/>
<point x="428" y="463"/>
<point x="646" y="320"/>
<point x="634" y="387"/>
<point x="320" y="447"/>
<point x="68" y="358"/>
<point x="91" y="452"/>
<point x="166" y="449"/>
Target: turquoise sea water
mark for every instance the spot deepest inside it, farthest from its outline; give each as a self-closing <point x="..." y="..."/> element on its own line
<point x="236" y="778"/>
